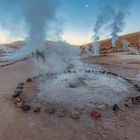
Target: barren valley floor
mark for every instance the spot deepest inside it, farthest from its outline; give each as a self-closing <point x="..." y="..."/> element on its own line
<point x="16" y="125"/>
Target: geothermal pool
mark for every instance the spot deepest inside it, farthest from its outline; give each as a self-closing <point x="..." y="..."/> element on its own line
<point x="83" y="88"/>
<point x="70" y="83"/>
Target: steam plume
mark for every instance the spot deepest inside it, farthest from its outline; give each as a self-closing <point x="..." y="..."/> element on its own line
<point x="117" y="25"/>
<point x="113" y="13"/>
<point x="37" y="16"/>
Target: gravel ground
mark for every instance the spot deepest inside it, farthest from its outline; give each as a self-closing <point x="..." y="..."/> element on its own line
<point x="16" y="125"/>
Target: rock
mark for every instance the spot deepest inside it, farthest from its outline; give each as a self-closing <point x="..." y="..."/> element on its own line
<point x="19" y="104"/>
<point x="35" y="77"/>
<point x="114" y="74"/>
<point x="75" y="115"/>
<point x="103" y="72"/>
<point x="109" y="72"/>
<point x="19" y="87"/>
<point x="15" y="100"/>
<point x="18" y="90"/>
<point x="18" y="99"/>
<point x="118" y="126"/>
<point x="72" y="85"/>
<point x="74" y="71"/>
<point x="136" y="100"/>
<point x="128" y="103"/>
<point x="101" y="107"/>
<point x="60" y="113"/>
<point x="40" y="75"/>
<point x="37" y="109"/>
<point x="89" y="71"/>
<point x="17" y="93"/>
<point x="29" y="80"/>
<point x="115" y="107"/>
<point x="21" y="84"/>
<point x="130" y="81"/>
<point x="51" y="110"/>
<point x="85" y="71"/>
<point x="25" y="108"/>
<point x="69" y="71"/>
<point x="137" y="87"/>
<point x="95" y="115"/>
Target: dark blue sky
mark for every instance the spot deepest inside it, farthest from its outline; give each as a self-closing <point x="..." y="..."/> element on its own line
<point x="78" y="18"/>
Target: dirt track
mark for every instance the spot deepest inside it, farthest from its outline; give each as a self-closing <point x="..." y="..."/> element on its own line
<point x="16" y="125"/>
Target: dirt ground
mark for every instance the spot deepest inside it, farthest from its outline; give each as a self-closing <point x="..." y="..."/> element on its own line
<point x="17" y="125"/>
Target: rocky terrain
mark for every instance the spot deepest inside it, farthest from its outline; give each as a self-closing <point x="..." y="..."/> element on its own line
<point x="25" y="117"/>
<point x="106" y="45"/>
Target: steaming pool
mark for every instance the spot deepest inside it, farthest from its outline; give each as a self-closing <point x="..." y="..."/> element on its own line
<point x="83" y="89"/>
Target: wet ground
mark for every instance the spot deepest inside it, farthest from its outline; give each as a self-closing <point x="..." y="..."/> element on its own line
<point x="17" y="125"/>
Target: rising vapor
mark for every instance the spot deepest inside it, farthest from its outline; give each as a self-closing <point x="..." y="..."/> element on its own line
<point x="112" y="13"/>
<point x="37" y="16"/>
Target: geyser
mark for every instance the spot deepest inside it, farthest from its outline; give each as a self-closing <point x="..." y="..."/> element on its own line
<point x="96" y="46"/>
<point x="105" y="14"/>
<point x="37" y="16"/>
<point x="111" y="16"/>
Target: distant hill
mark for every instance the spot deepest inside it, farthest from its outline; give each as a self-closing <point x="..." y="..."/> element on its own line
<point x="19" y="44"/>
<point x="106" y="45"/>
<point x="15" y="45"/>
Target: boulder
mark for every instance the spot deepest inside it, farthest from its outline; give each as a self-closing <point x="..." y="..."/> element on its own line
<point x="51" y="110"/>
<point x="109" y="72"/>
<point x="21" y="84"/>
<point x="115" y="107"/>
<point x="128" y="103"/>
<point x="137" y="87"/>
<point x="95" y="115"/>
<point x="101" y="107"/>
<point x="60" y="113"/>
<point x="136" y="100"/>
<point x="37" y="109"/>
<point x="25" y="108"/>
<point x="19" y="104"/>
<point x="29" y="80"/>
<point x="17" y="93"/>
<point x="20" y="87"/>
<point x="71" y="85"/>
<point x="75" y="114"/>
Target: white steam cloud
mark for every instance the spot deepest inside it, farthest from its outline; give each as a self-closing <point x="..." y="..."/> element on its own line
<point x="37" y="15"/>
<point x="112" y="14"/>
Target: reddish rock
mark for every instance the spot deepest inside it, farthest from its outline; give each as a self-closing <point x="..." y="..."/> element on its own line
<point x="95" y="115"/>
